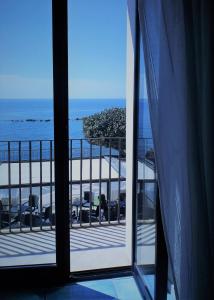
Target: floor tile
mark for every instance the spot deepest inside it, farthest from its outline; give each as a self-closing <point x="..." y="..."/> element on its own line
<point x="126" y="288"/>
<point x="105" y="286"/>
<point x="76" y="292"/>
<point x="123" y="288"/>
<point x="19" y="295"/>
<point x="150" y="282"/>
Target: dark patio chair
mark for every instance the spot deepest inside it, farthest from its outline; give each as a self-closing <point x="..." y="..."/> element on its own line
<point x="113" y="213"/>
<point x="49" y="216"/>
<point x="31" y="220"/>
<point x="31" y="205"/>
<point x="6" y="218"/>
<point x="102" y="206"/>
<point x="85" y="216"/>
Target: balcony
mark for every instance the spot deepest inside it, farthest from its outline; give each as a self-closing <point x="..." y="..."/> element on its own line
<point x="97" y="204"/>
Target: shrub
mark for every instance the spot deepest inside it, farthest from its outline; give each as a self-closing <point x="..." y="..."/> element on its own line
<point x="110" y="123"/>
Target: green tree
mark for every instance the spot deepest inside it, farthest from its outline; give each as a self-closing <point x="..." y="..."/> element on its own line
<point x="105" y="127"/>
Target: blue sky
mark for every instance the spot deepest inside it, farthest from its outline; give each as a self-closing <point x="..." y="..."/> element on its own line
<point x="97" y="49"/>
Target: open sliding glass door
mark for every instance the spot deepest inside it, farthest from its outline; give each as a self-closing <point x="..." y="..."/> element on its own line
<point x="34" y="211"/>
<point x="150" y="260"/>
<point x="145" y="186"/>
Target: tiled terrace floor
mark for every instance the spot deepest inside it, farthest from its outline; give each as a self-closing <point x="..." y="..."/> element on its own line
<point x="91" y="248"/>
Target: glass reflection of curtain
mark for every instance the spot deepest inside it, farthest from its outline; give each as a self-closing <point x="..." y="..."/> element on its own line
<point x="178" y="55"/>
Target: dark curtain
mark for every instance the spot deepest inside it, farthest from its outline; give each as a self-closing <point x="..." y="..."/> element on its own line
<point x="178" y="49"/>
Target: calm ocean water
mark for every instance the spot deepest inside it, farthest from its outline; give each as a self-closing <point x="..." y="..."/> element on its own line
<point x="15" y="113"/>
<point x="30" y="119"/>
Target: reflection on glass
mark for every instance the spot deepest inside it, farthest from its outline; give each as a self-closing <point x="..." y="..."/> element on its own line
<point x="146" y="187"/>
<point x="27" y="213"/>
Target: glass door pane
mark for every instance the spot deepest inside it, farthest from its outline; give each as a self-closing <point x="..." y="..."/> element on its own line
<point x="146" y="187"/>
<point x="27" y="198"/>
<point x="97" y="80"/>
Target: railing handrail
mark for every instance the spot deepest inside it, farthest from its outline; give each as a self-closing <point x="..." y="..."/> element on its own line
<point x="74" y="139"/>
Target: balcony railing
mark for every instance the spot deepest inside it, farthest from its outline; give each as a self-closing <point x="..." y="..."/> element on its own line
<point x="97" y="180"/>
<point x="27" y="195"/>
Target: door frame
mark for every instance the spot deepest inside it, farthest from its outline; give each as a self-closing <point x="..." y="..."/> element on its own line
<point x="46" y="274"/>
<point x="160" y="270"/>
<point x="136" y="272"/>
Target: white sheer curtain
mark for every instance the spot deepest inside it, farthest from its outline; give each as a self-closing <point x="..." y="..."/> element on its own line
<point x="177" y="46"/>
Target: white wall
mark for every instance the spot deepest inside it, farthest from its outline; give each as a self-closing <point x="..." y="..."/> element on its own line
<point x="131" y="8"/>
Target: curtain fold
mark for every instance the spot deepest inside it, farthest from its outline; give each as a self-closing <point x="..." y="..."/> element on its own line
<point x="177" y="37"/>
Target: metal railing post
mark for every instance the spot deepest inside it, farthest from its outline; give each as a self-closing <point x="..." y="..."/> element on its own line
<point x="30" y="181"/>
<point x="90" y="196"/>
<point x="80" y="183"/>
<point x="51" y="182"/>
<point x="71" y="185"/>
<point x="20" y="189"/>
<point x="119" y="174"/>
<point x="40" y="164"/>
<point x="9" y="186"/>
<point x="109" y="185"/>
<point x="100" y="184"/>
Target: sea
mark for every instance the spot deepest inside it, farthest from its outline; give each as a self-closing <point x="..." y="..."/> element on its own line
<point x="32" y="119"/>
